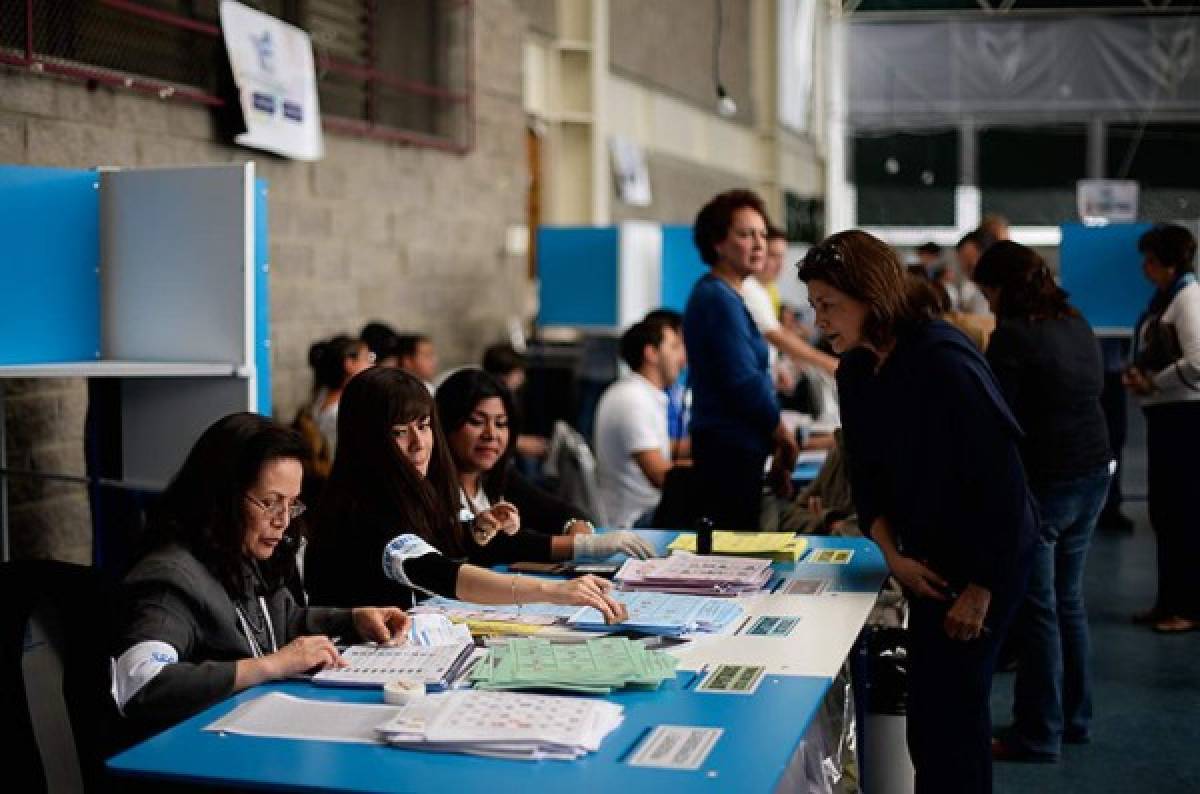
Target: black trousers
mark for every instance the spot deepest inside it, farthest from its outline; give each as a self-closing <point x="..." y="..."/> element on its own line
<point x="728" y="482"/>
<point x="1172" y="444"/>
<point x="950" y="689"/>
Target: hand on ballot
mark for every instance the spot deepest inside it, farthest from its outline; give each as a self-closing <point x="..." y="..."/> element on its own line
<point x="313" y="652"/>
<point x="587" y="591"/>
<point x="384" y="625"/>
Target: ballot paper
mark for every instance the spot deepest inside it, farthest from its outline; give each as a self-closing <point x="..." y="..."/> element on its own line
<point x="374" y="665"/>
<point x="431" y="630"/>
<point x="664" y="613"/>
<point x="696" y="574"/>
<point x="282" y="716"/>
<point x="465" y="611"/>
<point x="597" y="666"/>
<point x="782" y="546"/>
<point x="503" y="725"/>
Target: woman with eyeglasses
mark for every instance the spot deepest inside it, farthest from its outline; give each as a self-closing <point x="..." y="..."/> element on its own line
<point x="939" y="485"/>
<point x="512" y="517"/>
<point x="735" y="416"/>
<point x="205" y="611"/>
<point x="388" y="529"/>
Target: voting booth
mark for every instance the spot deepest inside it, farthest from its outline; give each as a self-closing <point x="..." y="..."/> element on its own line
<point x="605" y="278"/>
<point x="152" y="284"/>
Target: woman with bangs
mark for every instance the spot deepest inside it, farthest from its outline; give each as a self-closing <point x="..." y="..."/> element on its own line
<point x="937" y="478"/>
<point x="388" y="524"/>
<point x="475" y="410"/>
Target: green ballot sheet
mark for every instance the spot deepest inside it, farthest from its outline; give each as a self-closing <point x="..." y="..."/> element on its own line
<point x="597" y="666"/>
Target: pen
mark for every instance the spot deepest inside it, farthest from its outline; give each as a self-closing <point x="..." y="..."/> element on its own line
<point x="696" y="677"/>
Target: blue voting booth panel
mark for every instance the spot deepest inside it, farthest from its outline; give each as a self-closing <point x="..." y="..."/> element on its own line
<point x="262" y="299"/>
<point x="1101" y="269"/>
<point x="49" y="284"/>
<point x="577" y="274"/>
<point x="681" y="266"/>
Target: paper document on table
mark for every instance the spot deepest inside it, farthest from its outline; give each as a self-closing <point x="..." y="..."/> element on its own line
<point x="663" y="613"/>
<point x="431" y="630"/>
<point x="781" y="546"/>
<point x="503" y="725"/>
<point x="693" y="574"/>
<point x="375" y="665"/>
<point x="282" y="716"/>
<point x="597" y="666"/>
<point x="466" y="611"/>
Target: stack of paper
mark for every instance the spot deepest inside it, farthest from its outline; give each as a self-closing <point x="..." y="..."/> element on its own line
<point x="503" y="725"/>
<point x="375" y="665"/>
<point x="696" y="574"/>
<point x="487" y="620"/>
<point x="781" y="546"/>
<point x="597" y="666"/>
<point x="428" y="629"/>
<point x="663" y="613"/>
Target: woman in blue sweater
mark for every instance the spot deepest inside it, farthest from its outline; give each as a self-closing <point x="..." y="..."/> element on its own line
<point x="735" y="417"/>
<point x="937" y="478"/>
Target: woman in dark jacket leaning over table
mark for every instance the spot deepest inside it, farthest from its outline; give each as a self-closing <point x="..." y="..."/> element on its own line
<point x="388" y="529"/>
<point x="1048" y="363"/>
<point x="938" y="482"/>
<point x="206" y="612"/>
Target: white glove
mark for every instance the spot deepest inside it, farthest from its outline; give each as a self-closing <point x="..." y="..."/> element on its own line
<point x="622" y="541"/>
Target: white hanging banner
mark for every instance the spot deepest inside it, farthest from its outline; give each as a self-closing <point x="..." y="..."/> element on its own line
<point x="797" y="43"/>
<point x="1107" y="200"/>
<point x="277" y="83"/>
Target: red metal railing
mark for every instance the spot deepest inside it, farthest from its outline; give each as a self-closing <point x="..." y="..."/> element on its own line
<point x="40" y="36"/>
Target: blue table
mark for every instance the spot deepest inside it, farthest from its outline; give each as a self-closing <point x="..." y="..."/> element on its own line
<point x="763" y="731"/>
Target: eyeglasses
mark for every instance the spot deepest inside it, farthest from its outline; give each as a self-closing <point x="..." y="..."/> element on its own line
<point x="822" y="255"/>
<point x="365" y="353"/>
<point x="279" y="509"/>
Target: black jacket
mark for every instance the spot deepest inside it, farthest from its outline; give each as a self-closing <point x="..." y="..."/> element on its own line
<point x="932" y="446"/>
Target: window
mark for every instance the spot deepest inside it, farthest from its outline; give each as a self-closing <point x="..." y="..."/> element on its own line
<point x="1028" y="174"/>
<point x="906" y="178"/>
<point x="394" y="69"/>
<point x="1162" y="158"/>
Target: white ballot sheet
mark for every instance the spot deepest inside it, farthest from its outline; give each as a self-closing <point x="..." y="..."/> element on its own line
<point x="676" y="747"/>
<point x="281" y="716"/>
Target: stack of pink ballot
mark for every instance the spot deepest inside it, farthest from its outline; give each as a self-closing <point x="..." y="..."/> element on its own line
<point x="694" y="574"/>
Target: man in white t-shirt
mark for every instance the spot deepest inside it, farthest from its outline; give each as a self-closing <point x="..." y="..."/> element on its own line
<point x="633" y="447"/>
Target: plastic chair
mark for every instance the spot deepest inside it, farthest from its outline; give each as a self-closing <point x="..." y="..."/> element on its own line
<point x="570" y="460"/>
<point x="59" y="715"/>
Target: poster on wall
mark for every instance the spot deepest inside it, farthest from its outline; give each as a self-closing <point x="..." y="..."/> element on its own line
<point x="1107" y="200"/>
<point x="272" y="65"/>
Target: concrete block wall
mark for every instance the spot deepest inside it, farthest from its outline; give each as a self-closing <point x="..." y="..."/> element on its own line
<point x="411" y="236"/>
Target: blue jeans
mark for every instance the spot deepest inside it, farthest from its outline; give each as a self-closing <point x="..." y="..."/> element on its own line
<point x="1052" y="695"/>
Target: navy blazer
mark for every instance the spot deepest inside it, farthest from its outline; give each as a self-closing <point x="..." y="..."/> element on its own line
<point x="932" y="446"/>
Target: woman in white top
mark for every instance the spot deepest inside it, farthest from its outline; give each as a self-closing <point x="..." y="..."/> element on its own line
<point x="334" y="362"/>
<point x="1166" y="375"/>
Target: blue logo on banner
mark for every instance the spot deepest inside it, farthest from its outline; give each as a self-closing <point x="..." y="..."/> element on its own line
<point x="265" y="49"/>
<point x="293" y="111"/>
<point x="264" y="102"/>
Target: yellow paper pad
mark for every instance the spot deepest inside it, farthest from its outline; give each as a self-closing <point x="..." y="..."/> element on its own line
<point x="498" y="627"/>
<point x="776" y="545"/>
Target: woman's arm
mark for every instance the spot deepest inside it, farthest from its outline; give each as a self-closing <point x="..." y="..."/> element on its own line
<point x="540" y="510"/>
<point x="481" y="586"/>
